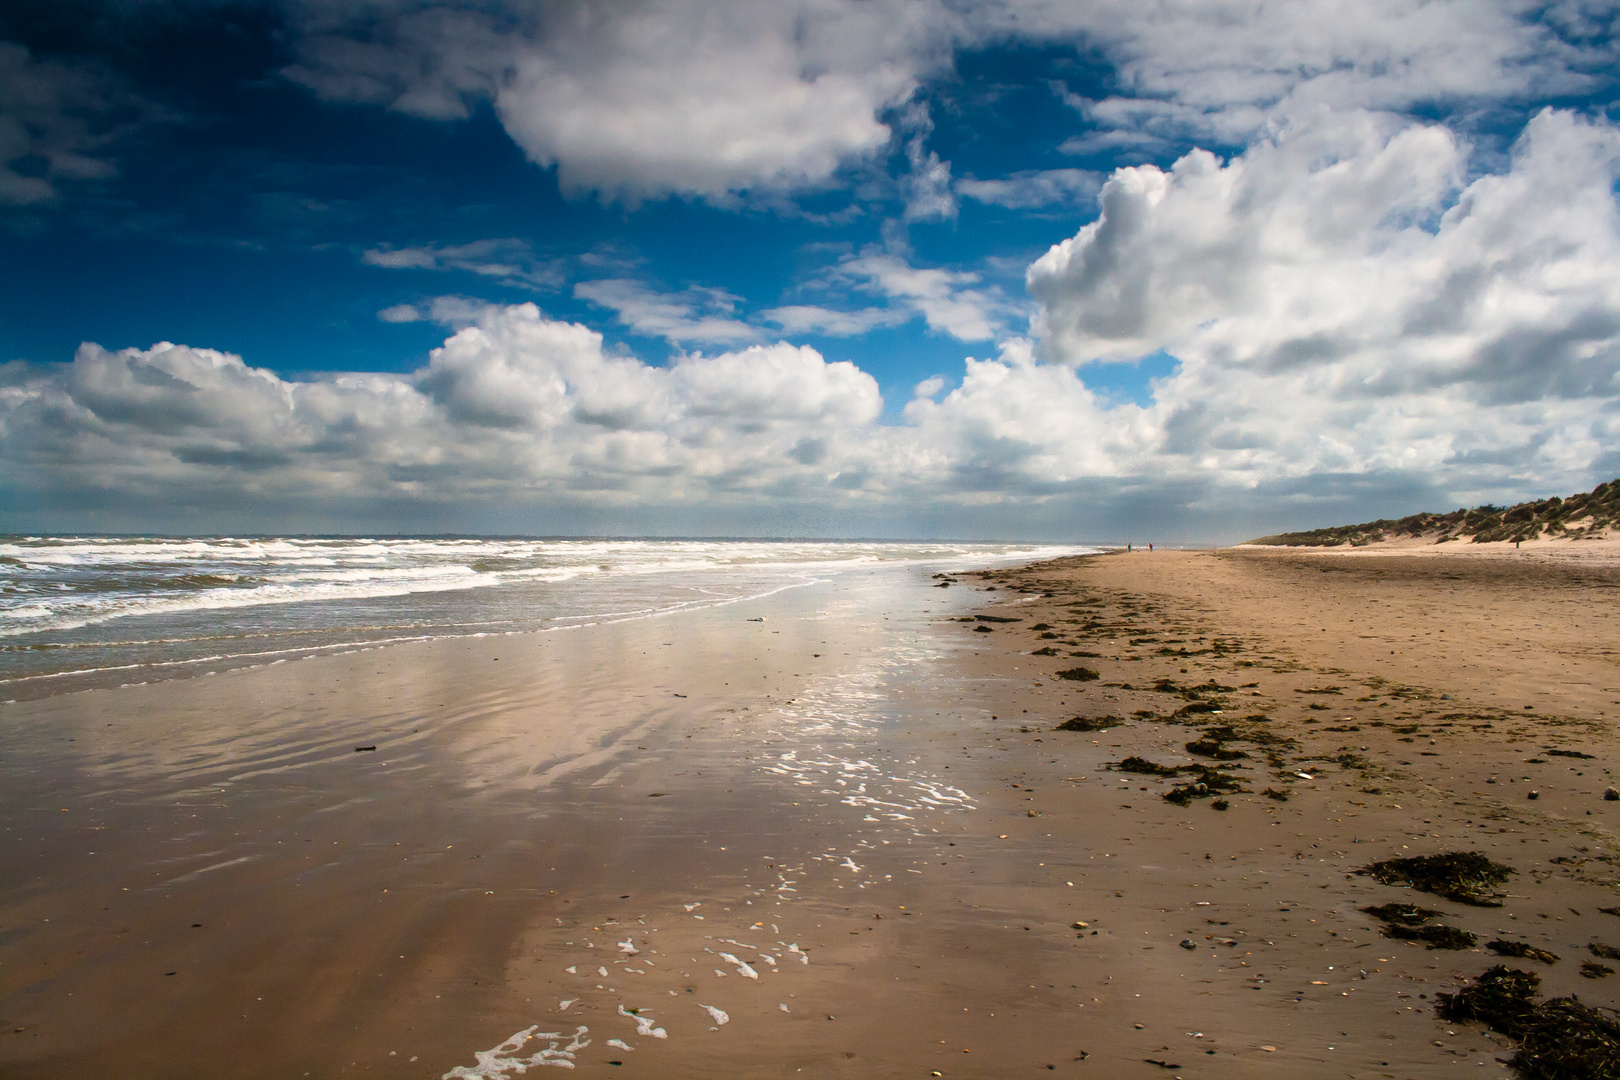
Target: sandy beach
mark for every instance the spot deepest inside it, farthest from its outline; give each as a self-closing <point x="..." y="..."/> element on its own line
<point x="834" y="832"/>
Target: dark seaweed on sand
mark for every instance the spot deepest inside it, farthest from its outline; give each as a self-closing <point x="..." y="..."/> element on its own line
<point x="1559" y="1038"/>
<point x="1209" y="782"/>
<point x="1602" y="951"/>
<point x="1146" y="767"/>
<point x="1209" y="746"/>
<point x="1464" y="876"/>
<point x="1079" y="674"/>
<point x="1436" y="937"/>
<point x="1591" y="969"/>
<point x="1405" y="922"/>
<point x="1521" y="950"/>
<point x="1402" y="914"/>
<point x="1090" y="723"/>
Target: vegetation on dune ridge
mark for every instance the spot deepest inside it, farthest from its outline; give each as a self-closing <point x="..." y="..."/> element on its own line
<point x="1586" y="514"/>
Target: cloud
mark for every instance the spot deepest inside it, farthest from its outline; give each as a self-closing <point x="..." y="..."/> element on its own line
<point x="1228" y="69"/>
<point x="516" y="406"/>
<point x="927" y="183"/>
<point x="648" y="98"/>
<point x="401" y="313"/>
<point x="638" y="100"/>
<point x="510" y="261"/>
<point x="454" y="311"/>
<point x="58" y="122"/>
<point x="696" y="314"/>
<point x="813" y="319"/>
<point x="1411" y="320"/>
<point x="520" y="421"/>
<point x="946" y="299"/>
<point x="1034" y="189"/>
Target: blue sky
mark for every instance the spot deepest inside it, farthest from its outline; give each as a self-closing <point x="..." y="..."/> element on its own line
<point x="1014" y="269"/>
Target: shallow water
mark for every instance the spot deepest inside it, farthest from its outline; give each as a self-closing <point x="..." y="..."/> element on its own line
<point x="88" y="611"/>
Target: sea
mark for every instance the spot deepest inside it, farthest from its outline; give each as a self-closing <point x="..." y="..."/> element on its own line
<point x="91" y="612"/>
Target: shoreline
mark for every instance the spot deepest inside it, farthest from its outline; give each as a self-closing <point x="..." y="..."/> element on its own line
<point x="888" y="808"/>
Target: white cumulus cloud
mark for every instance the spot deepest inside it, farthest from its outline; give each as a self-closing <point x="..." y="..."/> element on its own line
<point x="1344" y="301"/>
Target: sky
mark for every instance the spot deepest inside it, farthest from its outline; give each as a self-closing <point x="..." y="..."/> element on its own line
<point x="1086" y="270"/>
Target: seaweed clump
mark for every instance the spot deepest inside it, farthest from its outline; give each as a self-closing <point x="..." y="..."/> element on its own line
<point x="1213" y="744"/>
<point x="1438" y="936"/>
<point x="1464" y="876"/>
<point x="1522" y="950"/>
<point x="1146" y="767"/>
<point x="1406" y="922"/>
<point x="1090" y="723"/>
<point x="1079" y="674"/>
<point x="1208" y="782"/>
<point x="1403" y="914"/>
<point x="1559" y="1038"/>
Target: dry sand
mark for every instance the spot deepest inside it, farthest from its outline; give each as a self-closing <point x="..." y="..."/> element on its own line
<point x="206" y="879"/>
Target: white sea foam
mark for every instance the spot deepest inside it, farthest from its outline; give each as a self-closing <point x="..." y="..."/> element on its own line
<point x="644" y="1024"/>
<point x="742" y="968"/>
<point x="508" y="1058"/>
<point x="720" y="1015"/>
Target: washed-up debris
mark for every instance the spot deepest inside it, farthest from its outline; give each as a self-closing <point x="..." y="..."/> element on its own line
<point x="1209" y="782"/>
<point x="1147" y="768"/>
<point x="1605" y="952"/>
<point x="1213" y="744"/>
<point x="1571" y="753"/>
<point x="1559" y="1038"/>
<point x="1274" y="794"/>
<point x="1593" y="970"/>
<point x="1079" y="674"/>
<point x="1464" y="876"/>
<point x="1090" y="723"/>
<point x="1436" y="937"/>
<point x="1522" y="950"/>
<point x="1408" y="922"/>
<point x="1401" y="914"/>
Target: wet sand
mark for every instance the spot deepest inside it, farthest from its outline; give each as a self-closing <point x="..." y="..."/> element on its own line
<point x="870" y="860"/>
